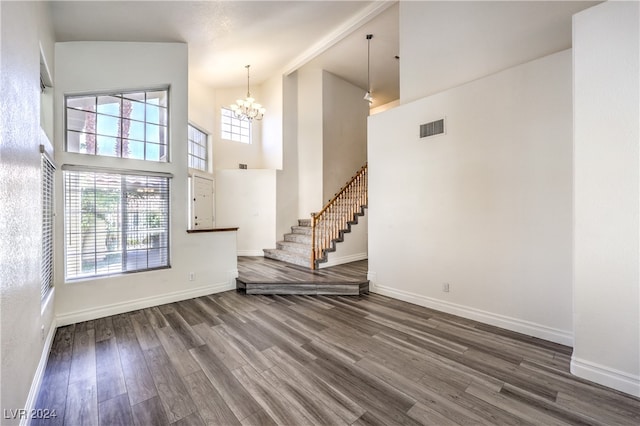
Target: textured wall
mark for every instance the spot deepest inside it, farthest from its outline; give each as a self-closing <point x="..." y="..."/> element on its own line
<point x="23" y="25"/>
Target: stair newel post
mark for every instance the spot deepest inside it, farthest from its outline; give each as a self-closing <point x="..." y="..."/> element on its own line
<point x="313" y="241"/>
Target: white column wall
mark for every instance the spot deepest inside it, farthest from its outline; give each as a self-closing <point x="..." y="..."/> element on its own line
<point x="607" y="195"/>
<point x="344" y="132"/>
<point x="272" y="123"/>
<point x="309" y="141"/>
<point x="287" y="178"/>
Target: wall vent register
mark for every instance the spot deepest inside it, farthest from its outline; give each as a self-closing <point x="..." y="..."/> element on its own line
<point x="433" y="128"/>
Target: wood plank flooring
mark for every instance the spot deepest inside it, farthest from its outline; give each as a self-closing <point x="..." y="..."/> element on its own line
<point x="234" y="359"/>
<point x="260" y="275"/>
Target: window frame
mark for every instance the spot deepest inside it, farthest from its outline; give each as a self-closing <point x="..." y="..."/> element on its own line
<point x="122" y="232"/>
<point x="121" y="93"/>
<point x="47" y="265"/>
<point x="191" y="155"/>
<point x="235" y="123"/>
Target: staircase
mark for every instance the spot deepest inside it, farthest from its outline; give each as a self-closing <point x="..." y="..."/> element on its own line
<point x="310" y="242"/>
<point x="296" y="246"/>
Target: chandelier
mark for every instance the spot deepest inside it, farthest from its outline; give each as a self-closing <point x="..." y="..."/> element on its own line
<point x="248" y="109"/>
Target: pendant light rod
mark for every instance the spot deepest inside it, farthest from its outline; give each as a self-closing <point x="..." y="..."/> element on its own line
<point x="368" y="96"/>
<point x="248" y="92"/>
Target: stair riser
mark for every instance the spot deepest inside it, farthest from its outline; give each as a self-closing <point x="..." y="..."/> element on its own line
<point x="287" y="257"/>
<point x="300" y="250"/>
<point x="298" y="238"/>
<point x="303" y="230"/>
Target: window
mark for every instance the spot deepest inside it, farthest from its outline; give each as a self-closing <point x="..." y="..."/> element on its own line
<point x="115" y="222"/>
<point x="233" y="128"/>
<point x="198" y="149"/>
<point x="128" y="125"/>
<point x="47" y="227"/>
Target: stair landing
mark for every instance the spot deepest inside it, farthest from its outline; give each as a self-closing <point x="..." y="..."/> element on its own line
<point x="259" y="275"/>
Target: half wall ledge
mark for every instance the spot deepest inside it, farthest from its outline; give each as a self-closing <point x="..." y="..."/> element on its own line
<point x="196" y="231"/>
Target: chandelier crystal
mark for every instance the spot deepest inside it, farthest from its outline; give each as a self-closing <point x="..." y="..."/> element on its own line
<point x="248" y="109"/>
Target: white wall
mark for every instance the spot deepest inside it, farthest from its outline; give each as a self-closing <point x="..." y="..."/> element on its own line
<point x="287" y="178"/>
<point x="607" y="195"/>
<point x="309" y="141"/>
<point x="447" y="43"/>
<point x="247" y="199"/>
<point x="96" y="66"/>
<point x="486" y="207"/>
<point x="272" y="123"/>
<point x="228" y="154"/>
<point x="23" y="349"/>
<point x="203" y="113"/>
<point x="344" y="133"/>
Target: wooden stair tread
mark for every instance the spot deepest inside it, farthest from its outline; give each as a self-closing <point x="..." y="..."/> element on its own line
<point x="258" y="275"/>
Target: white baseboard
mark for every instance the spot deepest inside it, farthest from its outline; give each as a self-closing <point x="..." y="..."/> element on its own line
<point x="606" y="376"/>
<point x="252" y="252"/>
<point x="132" y="305"/>
<point x="514" y="324"/>
<point x="37" y="378"/>
<point x="333" y="261"/>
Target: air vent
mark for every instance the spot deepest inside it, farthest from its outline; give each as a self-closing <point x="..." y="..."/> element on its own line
<point x="432" y="128"/>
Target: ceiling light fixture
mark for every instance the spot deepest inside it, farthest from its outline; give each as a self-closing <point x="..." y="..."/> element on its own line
<point x="367" y="96"/>
<point x="248" y="109"/>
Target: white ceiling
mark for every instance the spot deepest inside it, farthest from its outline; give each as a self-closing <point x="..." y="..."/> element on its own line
<point x="279" y="36"/>
<point x="224" y="36"/>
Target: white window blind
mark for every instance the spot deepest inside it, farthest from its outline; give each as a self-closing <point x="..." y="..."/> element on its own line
<point x="48" y="171"/>
<point x="128" y="124"/>
<point x="233" y="128"/>
<point x="198" y="149"/>
<point x="115" y="222"/>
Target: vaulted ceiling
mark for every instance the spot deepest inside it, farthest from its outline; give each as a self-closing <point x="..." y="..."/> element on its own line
<point x="280" y="36"/>
<point x="224" y="36"/>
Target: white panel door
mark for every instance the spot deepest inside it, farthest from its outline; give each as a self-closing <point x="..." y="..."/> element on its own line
<point x="202" y="203"/>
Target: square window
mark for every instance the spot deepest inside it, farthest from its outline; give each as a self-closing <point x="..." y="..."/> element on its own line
<point x="115" y="223"/>
<point x="233" y="128"/>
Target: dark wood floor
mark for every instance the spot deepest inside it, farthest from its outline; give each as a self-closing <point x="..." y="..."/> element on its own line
<point x="231" y="358"/>
<point x="260" y="275"/>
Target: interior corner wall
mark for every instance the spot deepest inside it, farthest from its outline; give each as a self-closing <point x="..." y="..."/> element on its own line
<point x="607" y="195"/>
<point x="344" y="132"/>
<point x="485" y="207"/>
<point x="24" y="27"/>
<point x="83" y="67"/>
<point x="309" y="140"/>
